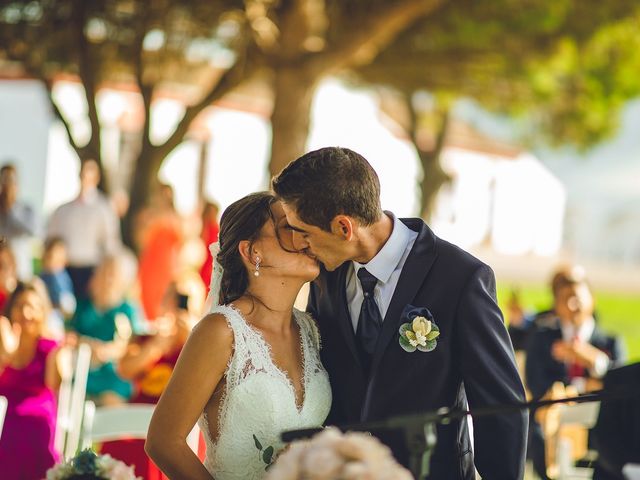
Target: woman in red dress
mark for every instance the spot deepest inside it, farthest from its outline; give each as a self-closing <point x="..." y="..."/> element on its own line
<point x="160" y="238"/>
<point x="209" y="235"/>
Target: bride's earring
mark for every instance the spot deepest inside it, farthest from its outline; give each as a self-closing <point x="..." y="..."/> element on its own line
<point x="256" y="273"/>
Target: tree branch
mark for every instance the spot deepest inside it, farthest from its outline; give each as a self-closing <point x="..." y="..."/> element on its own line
<point x="231" y="78"/>
<point x="93" y="147"/>
<point x="36" y="72"/>
<point x="67" y="126"/>
<point x="373" y="34"/>
<point x="146" y="91"/>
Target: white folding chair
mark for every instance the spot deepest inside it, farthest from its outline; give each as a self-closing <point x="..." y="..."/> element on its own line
<point x="104" y="424"/>
<point x="71" y="396"/>
<point x="3" y="411"/>
<point x="583" y="415"/>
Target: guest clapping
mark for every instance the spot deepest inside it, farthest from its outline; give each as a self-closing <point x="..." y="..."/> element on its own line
<point x="30" y="373"/>
<point x="106" y="321"/>
<point x="150" y="359"/>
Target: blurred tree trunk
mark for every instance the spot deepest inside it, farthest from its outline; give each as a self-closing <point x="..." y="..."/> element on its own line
<point x="433" y="176"/>
<point x="291" y="117"/>
<point x="297" y="71"/>
<point x="151" y="156"/>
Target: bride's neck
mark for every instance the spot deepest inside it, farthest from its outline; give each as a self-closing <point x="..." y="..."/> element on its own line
<point x="273" y="300"/>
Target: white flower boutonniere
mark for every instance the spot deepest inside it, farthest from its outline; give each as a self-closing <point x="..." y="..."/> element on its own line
<point x="420" y="332"/>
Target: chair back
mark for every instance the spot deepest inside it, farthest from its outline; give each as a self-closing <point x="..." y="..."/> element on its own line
<point x="104" y="424"/>
<point x="3" y="411"/>
<point x="128" y="421"/>
<point x="71" y="396"/>
<point x="574" y="422"/>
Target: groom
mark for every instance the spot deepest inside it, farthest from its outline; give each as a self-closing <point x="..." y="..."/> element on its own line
<point x="380" y="274"/>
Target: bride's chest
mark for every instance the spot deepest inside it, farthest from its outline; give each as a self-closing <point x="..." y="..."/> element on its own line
<point x="268" y="394"/>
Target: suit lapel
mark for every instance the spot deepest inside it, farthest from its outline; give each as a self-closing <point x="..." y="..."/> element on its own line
<point x="414" y="272"/>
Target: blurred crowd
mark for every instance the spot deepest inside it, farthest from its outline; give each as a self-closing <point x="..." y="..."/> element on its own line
<point x="133" y="307"/>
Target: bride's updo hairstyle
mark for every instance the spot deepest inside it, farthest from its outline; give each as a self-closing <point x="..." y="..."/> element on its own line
<point x="242" y="220"/>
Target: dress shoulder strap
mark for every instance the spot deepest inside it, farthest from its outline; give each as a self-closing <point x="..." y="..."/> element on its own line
<point x="233" y="317"/>
<point x="250" y="353"/>
<point x="306" y="321"/>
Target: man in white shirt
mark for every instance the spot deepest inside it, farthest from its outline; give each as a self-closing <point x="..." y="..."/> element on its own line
<point x="89" y="227"/>
<point x="17" y="222"/>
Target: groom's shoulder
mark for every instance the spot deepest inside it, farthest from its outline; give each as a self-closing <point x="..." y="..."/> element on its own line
<point x="448" y="255"/>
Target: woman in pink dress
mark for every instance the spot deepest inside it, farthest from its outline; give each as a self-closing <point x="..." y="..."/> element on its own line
<point x="29" y="378"/>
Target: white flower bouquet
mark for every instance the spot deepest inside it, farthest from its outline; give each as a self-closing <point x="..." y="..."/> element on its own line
<point x="332" y="455"/>
<point x="88" y="465"/>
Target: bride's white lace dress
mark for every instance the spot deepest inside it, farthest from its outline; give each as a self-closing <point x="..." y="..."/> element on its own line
<point x="259" y="400"/>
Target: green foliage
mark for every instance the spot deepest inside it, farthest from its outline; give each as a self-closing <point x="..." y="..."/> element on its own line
<point x="176" y="40"/>
<point x="566" y="66"/>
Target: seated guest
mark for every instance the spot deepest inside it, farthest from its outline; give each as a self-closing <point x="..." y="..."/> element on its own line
<point x="149" y="359"/>
<point x="148" y="363"/>
<point x="105" y="321"/>
<point x="571" y="349"/>
<point x="55" y="277"/>
<point x="617" y="432"/>
<point x="522" y="324"/>
<point x="29" y="377"/>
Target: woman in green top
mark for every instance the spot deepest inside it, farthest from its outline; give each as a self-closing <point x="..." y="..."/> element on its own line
<point x="106" y="321"/>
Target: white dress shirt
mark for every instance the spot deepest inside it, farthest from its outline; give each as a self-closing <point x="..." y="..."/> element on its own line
<point x="89" y="227"/>
<point x="386" y="266"/>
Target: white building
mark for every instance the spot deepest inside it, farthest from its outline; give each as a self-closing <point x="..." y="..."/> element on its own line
<point x="500" y="197"/>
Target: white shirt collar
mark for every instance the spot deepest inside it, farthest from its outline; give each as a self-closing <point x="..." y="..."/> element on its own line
<point x="387" y="259"/>
<point x="584" y="332"/>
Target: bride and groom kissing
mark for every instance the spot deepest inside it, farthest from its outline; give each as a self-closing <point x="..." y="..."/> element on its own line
<point x="398" y="321"/>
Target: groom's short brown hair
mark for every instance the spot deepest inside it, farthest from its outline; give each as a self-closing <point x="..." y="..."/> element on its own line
<point x="328" y="182"/>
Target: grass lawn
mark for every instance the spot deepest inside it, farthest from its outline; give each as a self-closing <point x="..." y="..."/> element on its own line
<point x="617" y="312"/>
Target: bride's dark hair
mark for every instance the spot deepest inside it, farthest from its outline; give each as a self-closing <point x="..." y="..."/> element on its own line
<point x="242" y="220"/>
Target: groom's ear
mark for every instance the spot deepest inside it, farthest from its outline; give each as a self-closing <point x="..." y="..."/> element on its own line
<point x="342" y="226"/>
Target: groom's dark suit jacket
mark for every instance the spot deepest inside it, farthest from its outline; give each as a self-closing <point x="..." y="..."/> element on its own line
<point x="473" y="361"/>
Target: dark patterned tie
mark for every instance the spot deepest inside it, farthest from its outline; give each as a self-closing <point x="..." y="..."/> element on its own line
<point x="369" y="320"/>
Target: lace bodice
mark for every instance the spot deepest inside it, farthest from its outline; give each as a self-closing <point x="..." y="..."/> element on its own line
<point x="259" y="400"/>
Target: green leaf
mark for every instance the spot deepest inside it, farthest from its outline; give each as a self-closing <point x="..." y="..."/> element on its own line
<point x="404" y="328"/>
<point x="267" y="455"/>
<point x="429" y="347"/>
<point x="406" y="346"/>
<point x="257" y="442"/>
<point x="434" y="333"/>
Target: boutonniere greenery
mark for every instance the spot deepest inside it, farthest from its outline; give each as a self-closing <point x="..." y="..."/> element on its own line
<point x="419" y="332"/>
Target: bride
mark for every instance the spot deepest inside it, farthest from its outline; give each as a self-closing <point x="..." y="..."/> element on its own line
<point x="250" y="368"/>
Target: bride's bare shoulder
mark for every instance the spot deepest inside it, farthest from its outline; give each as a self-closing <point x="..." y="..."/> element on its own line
<point x="215" y="328"/>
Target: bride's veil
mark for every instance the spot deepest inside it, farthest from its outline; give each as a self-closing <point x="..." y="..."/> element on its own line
<point x="213" y="298"/>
